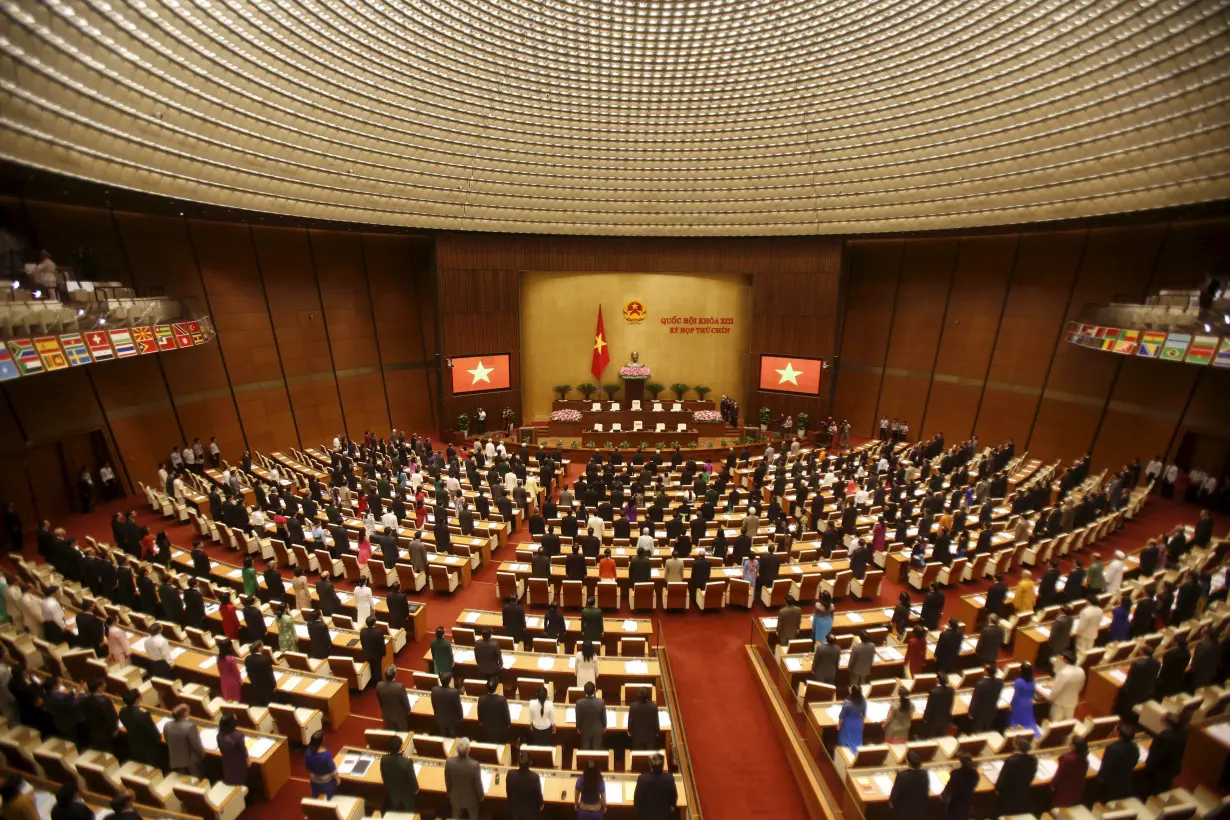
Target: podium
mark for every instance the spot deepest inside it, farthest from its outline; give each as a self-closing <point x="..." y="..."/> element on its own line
<point x="634" y="390"/>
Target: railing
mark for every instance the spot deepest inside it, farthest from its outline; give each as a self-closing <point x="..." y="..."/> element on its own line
<point x="679" y="738"/>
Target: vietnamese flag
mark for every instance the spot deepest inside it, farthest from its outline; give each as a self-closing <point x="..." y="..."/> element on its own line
<point x="791" y="374"/>
<point x="474" y="373"/>
<point x="602" y="351"/>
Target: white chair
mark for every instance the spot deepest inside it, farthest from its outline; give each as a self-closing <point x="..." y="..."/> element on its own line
<point x="339" y="807"/>
<point x="216" y="802"/>
<point x="677" y="407"/>
<point x="682" y="428"/>
<point x="614" y="405"/>
<point x="657" y="406"/>
<point x="596" y="407"/>
<point x="637" y="425"/>
<point x="597" y="427"/>
<point x="659" y="428"/>
<point x="616" y="427"/>
<point x="636" y="404"/>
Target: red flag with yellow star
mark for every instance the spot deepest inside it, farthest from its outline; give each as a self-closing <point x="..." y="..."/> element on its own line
<point x="602" y="353"/>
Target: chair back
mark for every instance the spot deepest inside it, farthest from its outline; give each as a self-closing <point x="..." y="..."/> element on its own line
<point x="542" y="757"/>
<point x="572" y="595"/>
<point x="433" y="746"/>
<point x="607" y="595"/>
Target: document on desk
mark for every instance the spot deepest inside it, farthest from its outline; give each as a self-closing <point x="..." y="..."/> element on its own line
<point x="794" y="664"/>
<point x="208" y="663"/>
<point x="137" y="646"/>
<point x="884" y="783"/>
<point x="664" y="719"/>
<point x="533" y="622"/>
<point x="289" y="682"/>
<point x="769" y="623"/>
<point x="507" y="661"/>
<point x="614" y="791"/>
<point x="467" y="706"/>
<point x="855" y="617"/>
<point x="636" y="667"/>
<point x="472" y="617"/>
<point x="1046" y="768"/>
<point x="936" y="780"/>
<point x="236" y="574"/>
<point x="629" y="626"/>
<point x="1095" y="763"/>
<point x="570" y="715"/>
<point x="487" y="776"/>
<point x="258" y="746"/>
<point x="514" y="711"/>
<point x="612" y="718"/>
<point x="465" y="656"/>
<point x="316" y="685"/>
<point x="209" y="739"/>
<point x="546" y="662"/>
<point x="175" y="652"/>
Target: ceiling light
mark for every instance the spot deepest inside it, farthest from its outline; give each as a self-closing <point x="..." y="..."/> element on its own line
<point x="80" y="311"/>
<point x="38" y="294"/>
<point x="102" y="320"/>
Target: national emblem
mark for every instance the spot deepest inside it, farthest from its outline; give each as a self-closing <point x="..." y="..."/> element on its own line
<point x="634" y="312"/>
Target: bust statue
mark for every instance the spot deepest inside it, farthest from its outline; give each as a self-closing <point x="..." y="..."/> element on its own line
<point x="634" y="369"/>
<point x="635" y="360"/>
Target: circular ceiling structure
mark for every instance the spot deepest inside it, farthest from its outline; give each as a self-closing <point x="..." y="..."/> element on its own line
<point x="663" y="117"/>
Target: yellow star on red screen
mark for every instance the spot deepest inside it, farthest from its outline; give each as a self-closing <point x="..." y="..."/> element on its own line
<point x="789" y="374"/>
<point x="480" y="373"/>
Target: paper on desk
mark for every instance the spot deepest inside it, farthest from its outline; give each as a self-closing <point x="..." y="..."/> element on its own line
<point x="316" y="685"/>
<point x="794" y="664"/>
<point x="514" y="711"/>
<point x="487" y="777"/>
<point x="1095" y="763"/>
<point x="1045" y="631"/>
<point x="981" y="600"/>
<point x="209" y="663"/>
<point x="1046" y="769"/>
<point x="570" y="715"/>
<point x="289" y="682"/>
<point x="533" y="622"/>
<point x="654" y="573"/>
<point x="855" y="617"/>
<point x="418" y="768"/>
<point x="235" y="573"/>
<point x="612" y="718"/>
<point x="506" y="661"/>
<point x="769" y="623"/>
<point x="629" y="626"/>
<point x="884" y="783"/>
<point x="825" y="565"/>
<point x="209" y="739"/>
<point x="664" y="718"/>
<point x="466" y="707"/>
<point x="888" y="613"/>
<point x="472" y="617"/>
<point x="636" y="667"/>
<point x="935" y="782"/>
<point x="465" y="656"/>
<point x="137" y="646"/>
<point x="614" y="791"/>
<point x="572" y="662"/>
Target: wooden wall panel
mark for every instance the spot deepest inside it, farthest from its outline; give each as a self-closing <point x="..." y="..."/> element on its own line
<point x="951" y="409"/>
<point x="1190" y="252"/>
<point x="138" y="408"/>
<point x="232" y="280"/>
<point x="874" y="268"/>
<point x="1145" y="410"/>
<point x="1003" y="415"/>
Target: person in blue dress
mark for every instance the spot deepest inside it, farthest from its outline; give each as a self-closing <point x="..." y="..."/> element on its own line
<point x="822" y="617"/>
<point x="1121" y="620"/>
<point x="1022" y="715"/>
<point x="850" y="720"/>
<point x="320" y="767"/>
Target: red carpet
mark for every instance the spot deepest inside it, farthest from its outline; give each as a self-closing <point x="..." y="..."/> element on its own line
<point x="739" y="766"/>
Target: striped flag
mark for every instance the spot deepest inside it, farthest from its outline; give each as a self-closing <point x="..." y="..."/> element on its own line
<point x="50" y="352"/>
<point x="1176" y="346"/>
<point x="182" y="337"/>
<point x="194" y="333"/>
<point x="1202" y="351"/>
<point x="1128" y="339"/>
<point x="1151" y="344"/>
<point x="143" y="338"/>
<point x="165" y="337"/>
<point x="75" y="349"/>
<point x="121" y="340"/>
<point x="8" y="368"/>
<point x="1222" y="359"/>
<point x="1110" y="337"/>
<point x="100" y="345"/>
<point x="26" y="356"/>
<point x="1073" y="332"/>
<point x="1087" y="336"/>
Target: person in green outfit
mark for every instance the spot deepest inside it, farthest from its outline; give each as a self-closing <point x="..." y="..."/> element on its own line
<point x="591" y="622"/>
<point x="441" y="653"/>
<point x="4" y="598"/>
<point x="397" y="772"/>
<point x="249" y="577"/>
<point x="288" y="641"/>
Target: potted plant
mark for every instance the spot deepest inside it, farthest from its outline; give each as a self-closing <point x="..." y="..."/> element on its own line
<point x="644" y="445"/>
<point x="801" y="422"/>
<point x="463" y="424"/>
<point x="611" y="390"/>
<point x="674" y="444"/>
<point x="562" y="389"/>
<point x="587" y="390"/>
<point x="765" y="415"/>
<point x="702" y="390"/>
<point x="623" y="445"/>
<point x="679" y="388"/>
<point x="654" y="388"/>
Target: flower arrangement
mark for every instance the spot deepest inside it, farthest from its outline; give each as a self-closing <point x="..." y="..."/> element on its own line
<point x="638" y="372"/>
<point x="566" y="414"/>
<point x="706" y="415"/>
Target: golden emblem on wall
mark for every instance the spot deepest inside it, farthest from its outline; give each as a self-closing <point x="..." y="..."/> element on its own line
<point x="635" y="311"/>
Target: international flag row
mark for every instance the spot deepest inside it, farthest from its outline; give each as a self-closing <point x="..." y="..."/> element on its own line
<point x="45" y="354"/>
<point x="1193" y="348"/>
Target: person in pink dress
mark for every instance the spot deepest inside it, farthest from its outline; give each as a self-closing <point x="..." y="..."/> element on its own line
<point x="878" y="538"/>
<point x="365" y="548"/>
<point x="228" y="671"/>
<point x="916" y="652"/>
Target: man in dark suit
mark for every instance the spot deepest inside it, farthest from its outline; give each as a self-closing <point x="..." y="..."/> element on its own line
<point x="524" y="791"/>
<point x="937" y="714"/>
<point x="194" y="605"/>
<point x="388" y="548"/>
<point x="494" y="718"/>
<point x="910" y="788"/>
<point x="574" y="565"/>
<point x="487" y="656"/>
<point x="1046" y="588"/>
<point x="261" y="682"/>
<point x="1165" y="758"/>
<point x="825" y="661"/>
<point x="1118" y="760"/>
<point x="326" y="596"/>
<point x="275" y="588"/>
<point x="1016" y="776"/>
<point x="398" y="606"/>
<point x="320" y="644"/>
<point x="550" y="542"/>
<point x="770" y="562"/>
<point x="514" y="620"/>
<point x="253" y="620"/>
<point x="200" y="560"/>
<point x="984" y="703"/>
<point x="858" y="560"/>
<point x="656" y="793"/>
<point x="568" y="525"/>
<point x="948" y="648"/>
<point x="701" y="569"/>
<point x="643" y="723"/>
<point x="144" y="741"/>
<point x="1137" y="686"/>
<point x="394" y="705"/>
<point x="592" y="625"/>
<point x="371" y="638"/>
<point x="446" y="705"/>
<point x="591" y="719"/>
<point x="101" y="720"/>
<point x="1143" y="616"/>
<point x="932" y="608"/>
<point x="91" y="633"/>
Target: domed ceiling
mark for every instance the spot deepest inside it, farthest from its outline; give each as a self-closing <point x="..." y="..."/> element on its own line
<point x="665" y="117"/>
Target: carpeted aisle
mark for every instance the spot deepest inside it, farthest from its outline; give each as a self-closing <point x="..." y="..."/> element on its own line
<point x="740" y="768"/>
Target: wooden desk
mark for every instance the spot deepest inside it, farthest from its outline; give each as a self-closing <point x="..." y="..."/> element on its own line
<point x="613" y="628"/>
<point x="558" y="786"/>
<point x="1029" y="640"/>
<point x="1207" y="757"/>
<point x="613" y="673"/>
<point x="764" y="627"/>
